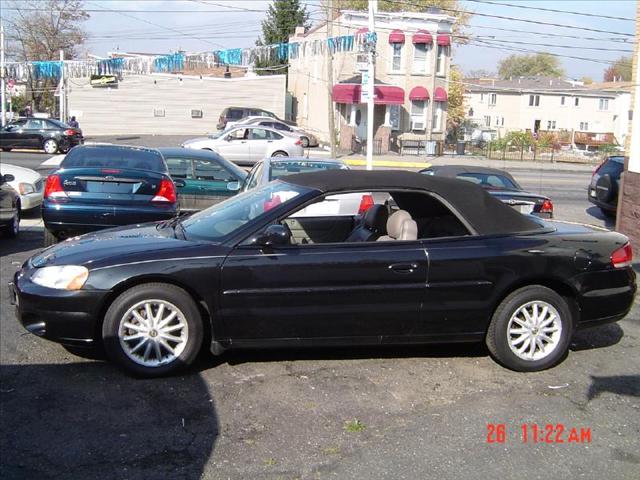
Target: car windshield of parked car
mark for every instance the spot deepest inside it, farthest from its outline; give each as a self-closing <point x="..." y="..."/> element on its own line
<point x="219" y="134"/>
<point x="225" y="218"/>
<point x="489" y="180"/>
<point x="114" y="157"/>
<point x="281" y="169"/>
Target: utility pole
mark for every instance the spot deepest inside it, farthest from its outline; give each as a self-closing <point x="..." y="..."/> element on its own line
<point x="2" y="85"/>
<point x="371" y="70"/>
<point x="330" y="109"/>
<point x="61" y="86"/>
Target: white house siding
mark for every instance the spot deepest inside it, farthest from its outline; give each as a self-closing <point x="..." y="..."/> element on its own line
<point x="129" y="108"/>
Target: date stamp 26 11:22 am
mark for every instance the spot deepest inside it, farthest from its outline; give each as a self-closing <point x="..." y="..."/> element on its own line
<point x="533" y="433"/>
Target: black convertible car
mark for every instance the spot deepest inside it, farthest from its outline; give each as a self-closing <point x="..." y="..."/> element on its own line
<point x="443" y="262"/>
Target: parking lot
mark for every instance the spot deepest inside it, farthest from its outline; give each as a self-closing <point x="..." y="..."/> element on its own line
<point x="372" y="413"/>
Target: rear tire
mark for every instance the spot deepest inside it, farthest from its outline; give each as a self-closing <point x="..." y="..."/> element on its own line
<point x="153" y="330"/>
<point x="530" y="330"/>
<point x="50" y="146"/>
<point x="12" y="230"/>
<point x="280" y="153"/>
<point x="305" y="142"/>
<point x="49" y="238"/>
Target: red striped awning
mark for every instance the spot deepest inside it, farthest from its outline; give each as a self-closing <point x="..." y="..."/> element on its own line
<point x="422" y="36"/>
<point x="440" y="95"/>
<point x="396" y="36"/>
<point x="384" y="94"/>
<point x="419" y="93"/>
<point x="444" y="39"/>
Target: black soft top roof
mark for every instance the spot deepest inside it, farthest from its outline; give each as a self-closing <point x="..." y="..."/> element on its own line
<point x="487" y="215"/>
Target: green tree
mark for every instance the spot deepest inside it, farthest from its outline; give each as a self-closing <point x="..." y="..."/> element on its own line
<point x="455" y="110"/>
<point x="530" y="65"/>
<point x="450" y="7"/>
<point x="587" y="80"/>
<point x="38" y="30"/>
<point x="620" y="70"/>
<point x="283" y="16"/>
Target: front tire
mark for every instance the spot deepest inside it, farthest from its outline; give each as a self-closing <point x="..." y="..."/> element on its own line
<point x="12" y="230"/>
<point x="6" y="149"/>
<point x="530" y="330"/>
<point x="153" y="330"/>
<point x="50" y="146"/>
<point x="279" y="153"/>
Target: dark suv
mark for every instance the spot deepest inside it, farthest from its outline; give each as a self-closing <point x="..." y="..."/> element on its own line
<point x="234" y="114"/>
<point x="605" y="185"/>
<point x="101" y="186"/>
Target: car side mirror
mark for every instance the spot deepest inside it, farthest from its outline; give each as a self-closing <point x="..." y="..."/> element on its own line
<point x="228" y="138"/>
<point x="233" y="186"/>
<point x="275" y="235"/>
<point x="8" y="178"/>
<point x="179" y="182"/>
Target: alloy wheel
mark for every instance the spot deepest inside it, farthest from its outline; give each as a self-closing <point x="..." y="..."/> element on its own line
<point x="153" y="333"/>
<point x="534" y="330"/>
<point x="50" y="146"/>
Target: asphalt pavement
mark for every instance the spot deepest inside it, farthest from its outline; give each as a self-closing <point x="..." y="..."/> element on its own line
<point x="367" y="413"/>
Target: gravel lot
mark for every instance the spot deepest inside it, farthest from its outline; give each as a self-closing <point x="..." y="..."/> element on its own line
<point x="393" y="413"/>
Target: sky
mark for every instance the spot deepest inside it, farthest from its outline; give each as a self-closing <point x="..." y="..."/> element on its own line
<point x="160" y="26"/>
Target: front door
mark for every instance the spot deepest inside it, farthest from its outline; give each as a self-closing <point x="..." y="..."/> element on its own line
<point x="235" y="145"/>
<point x="536" y="126"/>
<point x="211" y="183"/>
<point x="339" y="292"/>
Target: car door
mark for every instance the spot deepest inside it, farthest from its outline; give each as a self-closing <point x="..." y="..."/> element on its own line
<point x="33" y="132"/>
<point x="12" y="134"/>
<point x="182" y="168"/>
<point x="356" y="292"/>
<point x="212" y="183"/>
<point x="235" y="145"/>
<point x="260" y="141"/>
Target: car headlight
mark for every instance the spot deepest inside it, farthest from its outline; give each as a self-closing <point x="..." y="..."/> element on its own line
<point x="63" y="277"/>
<point x="26" y="188"/>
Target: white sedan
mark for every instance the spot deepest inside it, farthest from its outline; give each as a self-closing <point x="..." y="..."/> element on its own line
<point x="247" y="144"/>
<point x="28" y="183"/>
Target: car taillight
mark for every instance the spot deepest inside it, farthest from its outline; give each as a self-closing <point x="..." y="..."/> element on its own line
<point x="53" y="187"/>
<point x="166" y="192"/>
<point x="69" y="133"/>
<point x="622" y="257"/>
<point x="547" y="206"/>
<point x="365" y="204"/>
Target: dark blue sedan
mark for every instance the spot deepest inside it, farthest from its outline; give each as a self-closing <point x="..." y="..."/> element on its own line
<point x="102" y="186"/>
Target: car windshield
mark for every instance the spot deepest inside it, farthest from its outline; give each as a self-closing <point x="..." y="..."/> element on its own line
<point x="281" y="169"/>
<point x="219" y="134"/>
<point x="225" y="218"/>
<point x="115" y="157"/>
<point x="489" y="180"/>
<point x="58" y="123"/>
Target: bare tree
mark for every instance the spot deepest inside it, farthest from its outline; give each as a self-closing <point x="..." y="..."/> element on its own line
<point x="37" y="30"/>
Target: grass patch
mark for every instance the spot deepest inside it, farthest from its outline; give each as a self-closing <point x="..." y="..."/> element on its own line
<point x="354" y="425"/>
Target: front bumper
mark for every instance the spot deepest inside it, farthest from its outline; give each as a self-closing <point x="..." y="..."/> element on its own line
<point x="30" y="200"/>
<point x="67" y="317"/>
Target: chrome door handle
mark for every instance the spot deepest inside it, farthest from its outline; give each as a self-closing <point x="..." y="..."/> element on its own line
<point x="403" y="267"/>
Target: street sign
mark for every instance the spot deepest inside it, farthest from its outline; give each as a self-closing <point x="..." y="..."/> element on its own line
<point x="364" y="89"/>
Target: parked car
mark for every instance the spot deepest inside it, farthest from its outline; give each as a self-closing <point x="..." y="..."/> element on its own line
<point x="453" y="264"/>
<point x="308" y="139"/>
<point x="101" y="186"/>
<point x="9" y="207"/>
<point x="245" y="145"/>
<point x="28" y="183"/>
<point x="234" y="114"/>
<point x="45" y="134"/>
<point x="499" y="184"/>
<point x="605" y="185"/>
<point x="206" y="177"/>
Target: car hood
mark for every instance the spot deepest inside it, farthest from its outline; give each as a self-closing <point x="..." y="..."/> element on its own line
<point x="195" y="142"/>
<point x="120" y="246"/>
<point x="21" y="174"/>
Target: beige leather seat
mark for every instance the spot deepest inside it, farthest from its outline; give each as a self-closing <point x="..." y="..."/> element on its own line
<point x="400" y="226"/>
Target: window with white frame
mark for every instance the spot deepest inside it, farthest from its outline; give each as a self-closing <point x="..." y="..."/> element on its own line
<point x="576" y="101"/>
<point x="394" y="117"/>
<point x="497" y="121"/>
<point x="420" y="56"/>
<point x="436" y="124"/>
<point x="562" y="100"/>
<point x="396" y="57"/>
<point x="481" y="97"/>
<point x="442" y="56"/>
<point x="502" y="121"/>
<point x="534" y="100"/>
<point x="487" y="120"/>
<point x="584" y="126"/>
<point x="551" y="125"/>
<point x="603" y="104"/>
<point x="492" y="98"/>
<point x="418" y="114"/>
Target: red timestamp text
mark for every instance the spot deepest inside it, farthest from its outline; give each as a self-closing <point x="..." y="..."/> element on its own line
<point x="551" y="433"/>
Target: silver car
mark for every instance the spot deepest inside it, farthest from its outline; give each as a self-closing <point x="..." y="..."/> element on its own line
<point x="308" y="139"/>
<point x="247" y="144"/>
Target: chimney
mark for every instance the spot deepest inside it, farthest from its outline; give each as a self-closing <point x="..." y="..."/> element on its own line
<point x="299" y="31"/>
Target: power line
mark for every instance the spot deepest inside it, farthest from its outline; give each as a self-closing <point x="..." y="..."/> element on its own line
<point x="547" y="34"/>
<point x="553" y="10"/>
